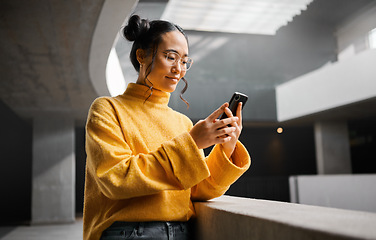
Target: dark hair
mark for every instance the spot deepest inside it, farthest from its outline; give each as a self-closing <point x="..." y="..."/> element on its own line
<point x="147" y="35"/>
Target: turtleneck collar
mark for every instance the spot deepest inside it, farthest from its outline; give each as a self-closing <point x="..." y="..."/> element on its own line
<point x="142" y="92"/>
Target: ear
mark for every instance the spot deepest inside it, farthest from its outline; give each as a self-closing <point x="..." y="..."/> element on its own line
<point x="141" y="55"/>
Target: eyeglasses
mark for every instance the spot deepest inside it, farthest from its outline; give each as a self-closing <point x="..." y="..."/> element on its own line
<point x="185" y="62"/>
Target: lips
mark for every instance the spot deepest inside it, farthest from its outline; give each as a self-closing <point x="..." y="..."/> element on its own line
<point x="175" y="79"/>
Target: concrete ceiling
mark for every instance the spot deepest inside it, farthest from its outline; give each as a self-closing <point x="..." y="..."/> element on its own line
<point x="44" y="55"/>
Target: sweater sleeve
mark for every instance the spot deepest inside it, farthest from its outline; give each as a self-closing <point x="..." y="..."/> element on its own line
<point x="223" y="172"/>
<point x="120" y="174"/>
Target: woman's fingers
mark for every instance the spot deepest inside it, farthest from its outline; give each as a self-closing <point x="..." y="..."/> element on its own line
<point x="212" y="117"/>
<point x="225" y="131"/>
<point x="214" y="131"/>
<point x="226" y="122"/>
<point x="223" y="139"/>
<point x="228" y="112"/>
<point x="239" y="114"/>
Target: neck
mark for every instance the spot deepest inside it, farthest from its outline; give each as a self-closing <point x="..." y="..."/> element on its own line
<point x="144" y="92"/>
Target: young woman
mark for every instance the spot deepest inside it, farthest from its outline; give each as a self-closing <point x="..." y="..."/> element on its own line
<point x="145" y="163"/>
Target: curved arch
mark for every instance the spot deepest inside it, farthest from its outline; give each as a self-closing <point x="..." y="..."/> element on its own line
<point x="113" y="14"/>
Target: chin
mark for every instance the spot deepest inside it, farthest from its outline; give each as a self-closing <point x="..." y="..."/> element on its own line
<point x="170" y="90"/>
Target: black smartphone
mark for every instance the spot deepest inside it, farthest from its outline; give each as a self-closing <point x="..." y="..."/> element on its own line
<point x="236" y="98"/>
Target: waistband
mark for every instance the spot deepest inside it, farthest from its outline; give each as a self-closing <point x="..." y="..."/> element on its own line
<point x="148" y="224"/>
<point x="151" y="230"/>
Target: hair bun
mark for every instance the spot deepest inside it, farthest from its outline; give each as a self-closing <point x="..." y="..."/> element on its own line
<point x="136" y="27"/>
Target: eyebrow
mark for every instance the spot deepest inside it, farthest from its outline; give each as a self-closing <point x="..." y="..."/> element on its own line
<point x="173" y="50"/>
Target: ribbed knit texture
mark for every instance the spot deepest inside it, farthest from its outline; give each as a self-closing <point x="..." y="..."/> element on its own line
<point x="143" y="165"/>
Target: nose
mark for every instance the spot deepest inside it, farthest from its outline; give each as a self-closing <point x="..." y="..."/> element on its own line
<point x="177" y="68"/>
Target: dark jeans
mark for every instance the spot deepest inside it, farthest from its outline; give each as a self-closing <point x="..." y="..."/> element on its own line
<point x="149" y="230"/>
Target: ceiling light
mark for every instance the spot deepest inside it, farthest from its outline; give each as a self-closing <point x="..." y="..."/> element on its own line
<point x="237" y="16"/>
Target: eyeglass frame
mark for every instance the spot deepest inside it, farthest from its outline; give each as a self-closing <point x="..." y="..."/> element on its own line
<point x="179" y="59"/>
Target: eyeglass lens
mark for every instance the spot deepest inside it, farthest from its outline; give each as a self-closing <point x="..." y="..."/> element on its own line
<point x="173" y="58"/>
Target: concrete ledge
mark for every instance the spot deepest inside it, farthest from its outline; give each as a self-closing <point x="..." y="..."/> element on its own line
<point x="242" y="218"/>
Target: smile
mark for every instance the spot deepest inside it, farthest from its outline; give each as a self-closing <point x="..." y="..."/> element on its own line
<point x="173" y="79"/>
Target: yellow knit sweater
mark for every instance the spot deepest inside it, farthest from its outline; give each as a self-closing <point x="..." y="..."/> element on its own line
<point x="143" y="165"/>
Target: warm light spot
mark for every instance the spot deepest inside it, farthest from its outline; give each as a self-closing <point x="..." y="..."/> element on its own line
<point x="279" y="130"/>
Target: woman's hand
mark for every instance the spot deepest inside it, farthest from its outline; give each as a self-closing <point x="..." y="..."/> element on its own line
<point x="229" y="146"/>
<point x="212" y="131"/>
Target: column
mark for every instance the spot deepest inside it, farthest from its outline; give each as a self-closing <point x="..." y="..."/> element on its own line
<point x="53" y="169"/>
<point x="332" y="147"/>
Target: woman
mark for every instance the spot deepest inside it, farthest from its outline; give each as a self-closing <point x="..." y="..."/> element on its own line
<point x="145" y="163"/>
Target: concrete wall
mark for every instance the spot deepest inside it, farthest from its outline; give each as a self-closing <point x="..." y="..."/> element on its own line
<point x="352" y="35"/>
<point x="53" y="170"/>
<point x="354" y="192"/>
<point x="332" y="147"/>
<point x="341" y="83"/>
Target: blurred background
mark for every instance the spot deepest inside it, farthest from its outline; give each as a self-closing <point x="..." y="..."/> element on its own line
<point x="308" y="67"/>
